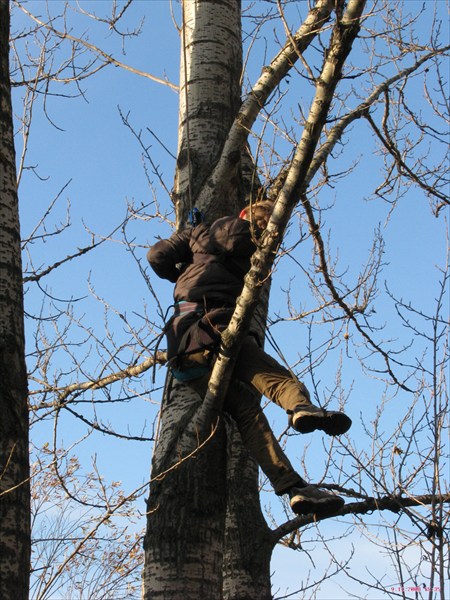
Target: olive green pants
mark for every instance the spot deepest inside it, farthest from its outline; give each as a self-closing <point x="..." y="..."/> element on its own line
<point x="262" y="372"/>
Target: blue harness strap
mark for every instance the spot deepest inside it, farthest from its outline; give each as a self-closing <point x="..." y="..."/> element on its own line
<point x="183" y="307"/>
<point x="190" y="373"/>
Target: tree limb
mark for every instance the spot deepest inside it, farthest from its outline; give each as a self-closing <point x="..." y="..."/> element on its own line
<point x="344" y="33"/>
<point x="131" y="371"/>
<point x="257" y="98"/>
<point x="392" y="503"/>
<point x="106" y="57"/>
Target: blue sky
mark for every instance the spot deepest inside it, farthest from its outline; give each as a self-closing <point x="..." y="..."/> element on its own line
<point x="99" y="156"/>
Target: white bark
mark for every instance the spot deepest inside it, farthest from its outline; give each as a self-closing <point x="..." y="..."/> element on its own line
<point x="209" y="98"/>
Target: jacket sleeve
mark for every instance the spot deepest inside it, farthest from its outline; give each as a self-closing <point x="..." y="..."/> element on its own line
<point x="166" y="255"/>
<point x="232" y="236"/>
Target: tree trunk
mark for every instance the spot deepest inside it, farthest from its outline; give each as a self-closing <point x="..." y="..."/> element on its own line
<point x="204" y="520"/>
<point x="186" y="508"/>
<point x="248" y="539"/>
<point x="210" y="97"/>
<point x="14" y="466"/>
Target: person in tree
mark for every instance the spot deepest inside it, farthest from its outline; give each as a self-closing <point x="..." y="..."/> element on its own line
<point x="208" y="264"/>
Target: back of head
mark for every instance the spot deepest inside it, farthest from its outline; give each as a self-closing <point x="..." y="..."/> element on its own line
<point x="258" y="213"/>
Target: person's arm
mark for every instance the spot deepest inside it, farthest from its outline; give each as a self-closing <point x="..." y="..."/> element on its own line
<point x="166" y="255"/>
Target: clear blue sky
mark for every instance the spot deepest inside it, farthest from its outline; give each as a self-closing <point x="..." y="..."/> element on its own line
<point x="93" y="150"/>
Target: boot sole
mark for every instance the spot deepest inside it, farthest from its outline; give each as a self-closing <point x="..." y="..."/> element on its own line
<point x="331" y="424"/>
<point x="320" y="508"/>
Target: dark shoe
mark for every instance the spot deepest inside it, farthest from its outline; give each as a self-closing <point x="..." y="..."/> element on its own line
<point x="305" y="419"/>
<point x="312" y="500"/>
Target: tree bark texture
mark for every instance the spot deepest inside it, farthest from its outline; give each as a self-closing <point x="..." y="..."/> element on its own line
<point x="210" y="96"/>
<point x="186" y="508"/>
<point x="248" y="541"/>
<point x="14" y="466"/>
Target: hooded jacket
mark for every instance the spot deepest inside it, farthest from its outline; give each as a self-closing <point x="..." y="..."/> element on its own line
<point x="208" y="265"/>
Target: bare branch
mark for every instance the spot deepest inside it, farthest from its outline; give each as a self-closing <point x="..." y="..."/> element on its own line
<point x="107" y="58"/>
<point x="391" y="503"/>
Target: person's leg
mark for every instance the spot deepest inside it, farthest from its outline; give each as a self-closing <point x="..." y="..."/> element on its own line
<point x="259" y="439"/>
<point x="257" y="436"/>
<point x="255" y="367"/>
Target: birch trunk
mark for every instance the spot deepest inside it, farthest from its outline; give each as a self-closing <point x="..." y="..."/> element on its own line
<point x="14" y="469"/>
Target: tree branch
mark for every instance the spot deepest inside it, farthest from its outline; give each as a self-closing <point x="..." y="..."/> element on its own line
<point x="260" y="93"/>
<point x="392" y="503"/>
<point x="362" y="110"/>
<point x="132" y="371"/>
<point x="344" y="33"/>
<point x="107" y="58"/>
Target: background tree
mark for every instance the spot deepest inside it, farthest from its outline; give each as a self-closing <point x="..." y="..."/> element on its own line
<point x="14" y="470"/>
<point x="85" y="378"/>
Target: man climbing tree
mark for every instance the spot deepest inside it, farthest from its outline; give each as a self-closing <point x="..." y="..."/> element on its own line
<point x="208" y="265"/>
<point x="222" y="171"/>
<point x="351" y="105"/>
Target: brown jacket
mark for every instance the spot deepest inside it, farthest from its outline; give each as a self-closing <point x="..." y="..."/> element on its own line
<point x="207" y="265"/>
